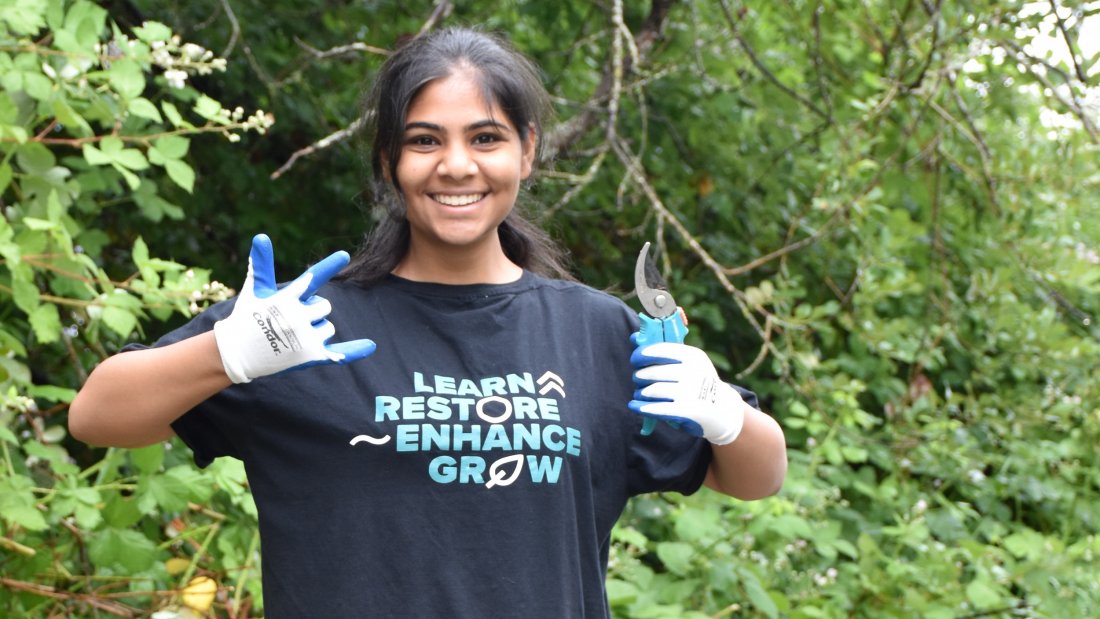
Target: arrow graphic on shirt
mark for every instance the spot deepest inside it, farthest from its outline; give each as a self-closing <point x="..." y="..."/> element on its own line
<point x="551" y="382"/>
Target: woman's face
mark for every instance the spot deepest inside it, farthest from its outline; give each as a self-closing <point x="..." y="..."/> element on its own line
<point x="461" y="165"/>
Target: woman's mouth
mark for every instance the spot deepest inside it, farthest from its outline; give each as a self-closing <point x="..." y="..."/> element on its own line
<point x="458" y="200"/>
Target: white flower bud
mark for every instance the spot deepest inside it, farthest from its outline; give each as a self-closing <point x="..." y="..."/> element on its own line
<point x="175" y="78"/>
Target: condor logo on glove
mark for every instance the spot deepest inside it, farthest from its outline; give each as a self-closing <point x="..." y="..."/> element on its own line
<point x="708" y="390"/>
<point x="272" y="326"/>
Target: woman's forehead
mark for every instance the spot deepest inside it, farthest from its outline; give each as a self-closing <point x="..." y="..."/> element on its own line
<point x="457" y="95"/>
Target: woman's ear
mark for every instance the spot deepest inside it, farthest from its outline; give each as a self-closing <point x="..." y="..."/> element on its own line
<point x="529" y="151"/>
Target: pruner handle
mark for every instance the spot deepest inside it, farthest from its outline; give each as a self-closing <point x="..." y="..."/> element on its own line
<point x="653" y="330"/>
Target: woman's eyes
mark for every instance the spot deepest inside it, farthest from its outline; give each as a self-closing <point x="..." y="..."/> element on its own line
<point x="481" y="139"/>
<point x="486" y="138"/>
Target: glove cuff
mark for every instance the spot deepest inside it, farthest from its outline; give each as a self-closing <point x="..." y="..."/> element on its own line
<point x="233" y="365"/>
<point x="733" y="408"/>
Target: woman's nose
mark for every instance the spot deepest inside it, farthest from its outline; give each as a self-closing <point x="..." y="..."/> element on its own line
<point x="457" y="162"/>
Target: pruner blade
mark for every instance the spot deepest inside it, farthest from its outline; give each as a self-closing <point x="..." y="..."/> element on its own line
<point x="650" y="287"/>
<point x="662" y="320"/>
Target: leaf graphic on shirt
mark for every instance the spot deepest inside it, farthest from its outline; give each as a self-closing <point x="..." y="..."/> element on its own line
<point x="497" y="477"/>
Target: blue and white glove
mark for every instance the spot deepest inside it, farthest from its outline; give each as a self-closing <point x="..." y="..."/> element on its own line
<point x="678" y="383"/>
<point x="272" y="329"/>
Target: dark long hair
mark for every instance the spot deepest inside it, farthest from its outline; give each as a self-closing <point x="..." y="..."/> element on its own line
<point x="507" y="78"/>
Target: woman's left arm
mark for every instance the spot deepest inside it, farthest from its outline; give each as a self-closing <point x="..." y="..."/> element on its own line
<point x="754" y="465"/>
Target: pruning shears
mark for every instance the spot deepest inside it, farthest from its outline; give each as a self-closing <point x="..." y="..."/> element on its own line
<point x="662" y="320"/>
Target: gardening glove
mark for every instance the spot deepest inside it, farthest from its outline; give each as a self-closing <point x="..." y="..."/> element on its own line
<point x="678" y="383"/>
<point x="272" y="329"/>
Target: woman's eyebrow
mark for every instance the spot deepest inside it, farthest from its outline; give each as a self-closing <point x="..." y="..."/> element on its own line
<point x="423" y="125"/>
<point x="481" y="124"/>
<point x="488" y="122"/>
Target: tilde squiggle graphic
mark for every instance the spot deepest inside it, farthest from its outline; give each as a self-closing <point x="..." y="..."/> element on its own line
<point x="472" y="419"/>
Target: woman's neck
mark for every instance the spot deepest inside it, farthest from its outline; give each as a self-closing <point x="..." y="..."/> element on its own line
<point x="457" y="265"/>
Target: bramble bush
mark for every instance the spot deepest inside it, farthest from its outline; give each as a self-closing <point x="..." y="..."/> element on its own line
<point x="95" y="126"/>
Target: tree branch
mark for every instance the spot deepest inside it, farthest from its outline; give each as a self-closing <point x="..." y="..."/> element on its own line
<point x="1073" y="103"/>
<point x="736" y="31"/>
<point x="562" y="137"/>
<point x="442" y="9"/>
<point x="235" y="26"/>
<point x="1081" y="75"/>
<point x="323" y="143"/>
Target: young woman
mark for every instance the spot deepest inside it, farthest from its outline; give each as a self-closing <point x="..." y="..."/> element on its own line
<point x="475" y="463"/>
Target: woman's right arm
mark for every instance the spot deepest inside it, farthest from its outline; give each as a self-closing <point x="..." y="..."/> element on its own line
<point x="132" y="398"/>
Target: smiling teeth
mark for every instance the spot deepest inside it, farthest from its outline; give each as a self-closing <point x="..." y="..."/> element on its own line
<point x="459" y="200"/>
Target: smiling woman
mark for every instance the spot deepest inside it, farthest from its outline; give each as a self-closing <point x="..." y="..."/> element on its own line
<point x="499" y="408"/>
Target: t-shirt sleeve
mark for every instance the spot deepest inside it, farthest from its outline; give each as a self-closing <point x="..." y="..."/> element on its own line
<point x="201" y="429"/>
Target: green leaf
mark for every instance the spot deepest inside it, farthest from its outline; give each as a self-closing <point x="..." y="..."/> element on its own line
<point x="132" y="159"/>
<point x="58" y="457"/>
<point x="982" y="594"/>
<point x="52" y="393"/>
<point x="229" y="475"/>
<point x="17" y="503"/>
<point x="126" y="77"/>
<point x="132" y="180"/>
<point x="173" y="489"/>
<point x="38" y="86"/>
<point x="621" y="593"/>
<point x="121" y="511"/>
<point x="119" y="320"/>
<point x="68" y="117"/>
<point x="172" y="146"/>
<point x="37" y="223"/>
<point x="25" y="294"/>
<point x="676" y="556"/>
<point x="757" y="594"/>
<point x="13" y="371"/>
<point x="148" y="459"/>
<point x="208" y="108"/>
<point x="151" y="31"/>
<point x="46" y="322"/>
<point x="35" y="158"/>
<point x="697" y="523"/>
<point x="153" y="206"/>
<point x="95" y="156"/>
<point x="111" y="146"/>
<point x="181" y="173"/>
<point x="144" y="108"/>
<point x="140" y="252"/>
<point x="88" y="517"/>
<point x="121" y="548"/>
<point x="174" y="115"/>
<point x="1026" y="544"/>
<point x="26" y="516"/>
<point x="24" y="17"/>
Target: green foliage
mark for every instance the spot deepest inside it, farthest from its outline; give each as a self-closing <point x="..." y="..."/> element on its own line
<point x="94" y="123"/>
<point x="879" y="215"/>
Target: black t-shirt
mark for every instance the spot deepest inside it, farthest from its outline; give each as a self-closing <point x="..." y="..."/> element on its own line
<point x="473" y="466"/>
